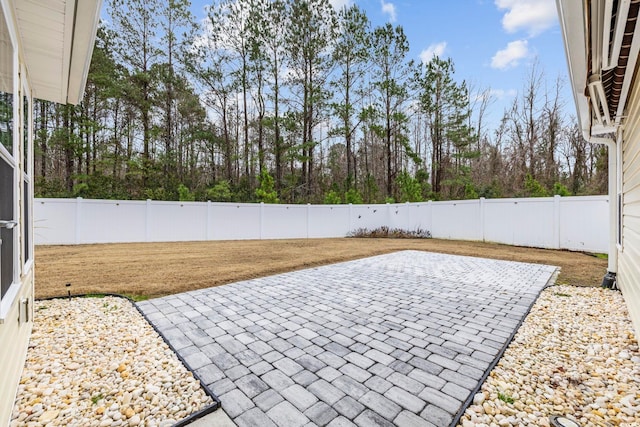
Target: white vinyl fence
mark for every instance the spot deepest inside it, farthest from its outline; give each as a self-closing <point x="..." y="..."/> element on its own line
<point x="574" y="223"/>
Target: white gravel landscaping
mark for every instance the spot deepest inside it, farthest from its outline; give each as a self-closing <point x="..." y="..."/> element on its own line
<point x="574" y="355"/>
<point x="97" y="362"/>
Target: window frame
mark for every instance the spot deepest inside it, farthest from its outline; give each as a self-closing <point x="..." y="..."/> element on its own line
<point x="26" y="174"/>
<point x="7" y="300"/>
<point x="620" y="191"/>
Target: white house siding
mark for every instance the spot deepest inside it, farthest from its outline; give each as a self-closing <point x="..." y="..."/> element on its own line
<point x="14" y="337"/>
<point x="629" y="256"/>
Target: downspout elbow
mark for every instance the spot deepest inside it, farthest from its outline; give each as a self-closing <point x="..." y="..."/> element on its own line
<point x="602" y="140"/>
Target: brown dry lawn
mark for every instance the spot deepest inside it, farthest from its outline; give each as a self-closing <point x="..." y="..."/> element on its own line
<point x="157" y="269"/>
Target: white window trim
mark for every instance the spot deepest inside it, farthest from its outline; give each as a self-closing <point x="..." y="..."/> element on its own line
<point x="619" y="193"/>
<point x="26" y="172"/>
<point x="9" y="297"/>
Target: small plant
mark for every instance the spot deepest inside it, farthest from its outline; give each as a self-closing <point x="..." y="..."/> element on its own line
<point x="560" y="294"/>
<point x="505" y="398"/>
<point x="97" y="398"/>
<point x="42" y="307"/>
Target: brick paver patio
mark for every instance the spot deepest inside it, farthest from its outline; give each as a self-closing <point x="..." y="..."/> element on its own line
<point x="398" y="339"/>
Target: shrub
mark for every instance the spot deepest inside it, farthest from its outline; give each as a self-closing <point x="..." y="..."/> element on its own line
<point x="393" y="233"/>
<point x="332" y="198"/>
<point x="353" y="196"/>
<point x="561" y="190"/>
<point x="409" y="188"/>
<point x="184" y="194"/>
<point x="533" y="188"/>
<point x="221" y="192"/>
<point x="266" y="191"/>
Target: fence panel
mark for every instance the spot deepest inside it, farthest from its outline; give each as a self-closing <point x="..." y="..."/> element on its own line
<point x="329" y="220"/>
<point x="369" y="216"/>
<point x="284" y="221"/>
<point x="534" y="223"/>
<point x="575" y="223"/>
<point x="584" y="223"/>
<point x="231" y="221"/>
<point x="522" y="222"/>
<point x="456" y="220"/>
<point x="54" y="221"/>
<point x="111" y="221"/>
<point x="419" y="216"/>
<point x="176" y="221"/>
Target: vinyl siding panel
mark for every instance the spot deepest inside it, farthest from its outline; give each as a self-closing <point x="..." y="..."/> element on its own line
<point x="14" y="339"/>
<point x="629" y="257"/>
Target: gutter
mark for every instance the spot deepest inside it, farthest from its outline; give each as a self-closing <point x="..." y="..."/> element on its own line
<point x="609" y="280"/>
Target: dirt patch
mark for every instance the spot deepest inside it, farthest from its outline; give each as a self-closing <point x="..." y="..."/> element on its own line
<point x="157" y="269"/>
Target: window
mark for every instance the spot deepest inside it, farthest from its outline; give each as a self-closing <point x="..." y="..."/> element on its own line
<point x="27" y="167"/>
<point x="7" y="157"/>
<point x="10" y="160"/>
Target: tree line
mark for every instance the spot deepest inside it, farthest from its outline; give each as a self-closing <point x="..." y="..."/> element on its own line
<point x="293" y="101"/>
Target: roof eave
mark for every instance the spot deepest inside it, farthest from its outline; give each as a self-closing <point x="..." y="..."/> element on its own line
<point x="57" y="40"/>
<point x="574" y="35"/>
<point x="87" y="17"/>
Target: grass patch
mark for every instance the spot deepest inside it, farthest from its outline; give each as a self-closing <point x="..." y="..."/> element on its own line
<point x="391" y="233"/>
<point x="94" y="295"/>
<point x="150" y="269"/>
<point x="97" y="398"/>
<point x="505" y="398"/>
<point x="600" y="256"/>
<point x="133" y="297"/>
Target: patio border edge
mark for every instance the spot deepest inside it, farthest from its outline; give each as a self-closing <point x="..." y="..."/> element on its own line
<point x="551" y="282"/>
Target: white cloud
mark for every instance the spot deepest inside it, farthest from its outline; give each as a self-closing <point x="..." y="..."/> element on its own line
<point x="339" y="4"/>
<point x="502" y="94"/>
<point x="389" y="9"/>
<point x="511" y="55"/>
<point x="434" y="49"/>
<point x="533" y="16"/>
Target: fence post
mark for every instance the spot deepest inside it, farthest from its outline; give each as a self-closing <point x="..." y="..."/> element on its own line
<point x="389" y="215"/>
<point x="556" y="220"/>
<point x="207" y="223"/>
<point x="350" y="225"/>
<point x="308" y="218"/>
<point x="78" y="219"/>
<point x="147" y="221"/>
<point x="408" y="205"/>
<point x="482" y="218"/>
<point x="261" y="219"/>
<point x="430" y="218"/>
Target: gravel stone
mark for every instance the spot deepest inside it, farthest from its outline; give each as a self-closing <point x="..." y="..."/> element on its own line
<point x="96" y="361"/>
<point x="573" y="355"/>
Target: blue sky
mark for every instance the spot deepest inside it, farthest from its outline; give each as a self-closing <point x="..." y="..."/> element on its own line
<point x="493" y="43"/>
